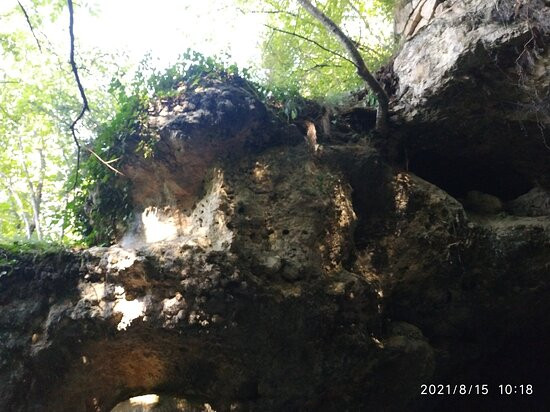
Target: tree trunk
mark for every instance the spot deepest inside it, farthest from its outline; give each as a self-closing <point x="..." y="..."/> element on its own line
<point x="22" y="215"/>
<point x="35" y="194"/>
<point x="362" y="69"/>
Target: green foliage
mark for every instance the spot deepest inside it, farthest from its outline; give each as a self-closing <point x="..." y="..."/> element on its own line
<point x="101" y="200"/>
<point x="15" y="251"/>
<point x="387" y="7"/>
<point x="297" y="51"/>
<point x="38" y="102"/>
<point x="102" y="206"/>
<point x="28" y="247"/>
<point x="36" y="151"/>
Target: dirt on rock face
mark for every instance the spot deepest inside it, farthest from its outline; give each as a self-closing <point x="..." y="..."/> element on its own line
<point x="262" y="276"/>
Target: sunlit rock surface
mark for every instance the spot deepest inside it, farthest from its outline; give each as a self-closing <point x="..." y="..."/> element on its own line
<point x="261" y="276"/>
<point x="156" y="403"/>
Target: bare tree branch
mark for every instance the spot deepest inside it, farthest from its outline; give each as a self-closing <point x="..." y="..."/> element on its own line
<point x="319" y="66"/>
<point x="106" y="163"/>
<point x="310" y="41"/>
<point x="367" y="49"/>
<point x="359" y="63"/>
<point x="30" y="25"/>
<point x="364" y="20"/>
<point x="80" y="89"/>
<point x="41" y="177"/>
<point x="243" y="11"/>
<point x="85" y="106"/>
<point x="34" y="198"/>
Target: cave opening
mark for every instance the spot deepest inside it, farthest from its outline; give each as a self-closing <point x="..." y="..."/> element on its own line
<point x="460" y="175"/>
<point x="153" y="402"/>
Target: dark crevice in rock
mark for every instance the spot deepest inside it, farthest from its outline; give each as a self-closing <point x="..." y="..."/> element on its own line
<point x="458" y="176"/>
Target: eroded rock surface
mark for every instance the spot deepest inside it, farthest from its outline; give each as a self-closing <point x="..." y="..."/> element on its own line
<point x="474" y="93"/>
<point x="261" y="276"/>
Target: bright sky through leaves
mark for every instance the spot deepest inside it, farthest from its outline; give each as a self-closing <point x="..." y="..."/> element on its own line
<point x="168" y="27"/>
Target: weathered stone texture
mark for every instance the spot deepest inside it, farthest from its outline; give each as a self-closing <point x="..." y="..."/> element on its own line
<point x="262" y="276"/>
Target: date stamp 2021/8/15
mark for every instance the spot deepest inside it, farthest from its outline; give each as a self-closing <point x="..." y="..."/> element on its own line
<point x="476" y="389"/>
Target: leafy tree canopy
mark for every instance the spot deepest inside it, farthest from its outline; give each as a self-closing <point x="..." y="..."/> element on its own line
<point x="299" y="53"/>
<point x="39" y="99"/>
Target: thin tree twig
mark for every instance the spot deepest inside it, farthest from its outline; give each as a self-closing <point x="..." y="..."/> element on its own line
<point x="106" y="163"/>
<point x="8" y="115"/>
<point x="85" y="106"/>
<point x="30" y="25"/>
<point x="80" y="89"/>
<point x="367" y="49"/>
<point x="112" y="160"/>
<point x="310" y="41"/>
<point x="243" y="11"/>
<point x="365" y="21"/>
<point x="34" y="200"/>
<point x="319" y="66"/>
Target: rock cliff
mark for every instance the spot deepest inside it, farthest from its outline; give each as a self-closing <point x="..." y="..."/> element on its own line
<point x="473" y="89"/>
<point x="262" y="275"/>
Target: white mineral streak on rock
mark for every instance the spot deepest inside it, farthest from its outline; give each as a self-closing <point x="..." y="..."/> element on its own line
<point x="131" y="309"/>
<point x="117" y="259"/>
<point x="206" y="226"/>
<point x="103" y="300"/>
<point x="158" y="227"/>
<point x="173" y="310"/>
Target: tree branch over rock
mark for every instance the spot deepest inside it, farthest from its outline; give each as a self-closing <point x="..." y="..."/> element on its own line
<point x="358" y="62"/>
<point x="310" y="41"/>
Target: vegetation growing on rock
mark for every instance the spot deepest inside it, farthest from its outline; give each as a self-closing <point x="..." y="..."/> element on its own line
<point x="253" y="249"/>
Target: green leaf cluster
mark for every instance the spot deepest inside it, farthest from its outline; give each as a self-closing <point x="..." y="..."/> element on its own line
<point x="299" y="54"/>
<point x="102" y="206"/>
<point x="38" y="102"/>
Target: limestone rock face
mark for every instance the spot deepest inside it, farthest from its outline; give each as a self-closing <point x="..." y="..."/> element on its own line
<point x="412" y="15"/>
<point x="234" y="287"/>
<point x="261" y="276"/>
<point x="536" y="202"/>
<point x="473" y="90"/>
<point x="175" y="189"/>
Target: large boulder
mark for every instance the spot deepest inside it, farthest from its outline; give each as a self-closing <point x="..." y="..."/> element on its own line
<point x="472" y="93"/>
